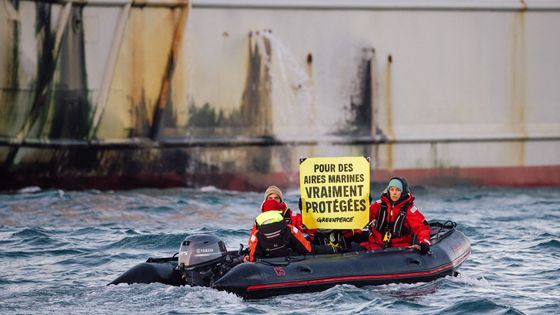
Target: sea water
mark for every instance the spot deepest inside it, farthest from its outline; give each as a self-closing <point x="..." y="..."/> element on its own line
<point x="60" y="249"/>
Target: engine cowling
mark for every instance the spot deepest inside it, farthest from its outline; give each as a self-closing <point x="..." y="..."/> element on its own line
<point x="199" y="250"/>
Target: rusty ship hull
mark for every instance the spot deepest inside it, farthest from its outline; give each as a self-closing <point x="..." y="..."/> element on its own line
<point x="164" y="93"/>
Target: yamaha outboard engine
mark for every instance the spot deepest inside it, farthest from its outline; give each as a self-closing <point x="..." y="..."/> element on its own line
<point x="200" y="257"/>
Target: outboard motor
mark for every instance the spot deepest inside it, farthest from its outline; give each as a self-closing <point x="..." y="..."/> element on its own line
<point x="200" y="257"/>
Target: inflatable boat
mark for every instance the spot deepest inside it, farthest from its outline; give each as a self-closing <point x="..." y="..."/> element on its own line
<point x="203" y="260"/>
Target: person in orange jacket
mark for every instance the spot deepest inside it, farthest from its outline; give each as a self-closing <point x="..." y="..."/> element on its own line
<point x="274" y="193"/>
<point x="295" y="219"/>
<point x="273" y="237"/>
<point x="395" y="218"/>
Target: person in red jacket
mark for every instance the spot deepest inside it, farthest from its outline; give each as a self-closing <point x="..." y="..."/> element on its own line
<point x="395" y="218"/>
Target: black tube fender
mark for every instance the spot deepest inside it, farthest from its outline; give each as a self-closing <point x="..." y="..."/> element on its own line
<point x="149" y="272"/>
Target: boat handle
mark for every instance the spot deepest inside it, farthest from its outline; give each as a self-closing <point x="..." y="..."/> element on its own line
<point x="413" y="261"/>
<point x="306" y="269"/>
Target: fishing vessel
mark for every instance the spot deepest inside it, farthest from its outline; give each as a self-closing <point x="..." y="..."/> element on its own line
<point x="123" y="94"/>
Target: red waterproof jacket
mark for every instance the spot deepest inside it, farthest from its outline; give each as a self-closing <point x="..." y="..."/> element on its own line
<point x="295" y="219"/>
<point x="414" y="223"/>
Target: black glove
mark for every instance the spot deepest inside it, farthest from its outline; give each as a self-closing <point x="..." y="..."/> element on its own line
<point x="361" y="237"/>
<point x="424" y="248"/>
<point x="323" y="249"/>
<point x="242" y="251"/>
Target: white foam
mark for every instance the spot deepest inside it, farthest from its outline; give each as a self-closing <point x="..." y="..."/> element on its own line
<point x="210" y="295"/>
<point x="475" y="282"/>
<point x="209" y="189"/>
<point x="29" y="190"/>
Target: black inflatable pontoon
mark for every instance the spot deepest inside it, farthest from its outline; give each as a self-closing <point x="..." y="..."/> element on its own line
<point x="204" y="261"/>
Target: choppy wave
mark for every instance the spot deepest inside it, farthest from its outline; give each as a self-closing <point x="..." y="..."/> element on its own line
<point x="147" y="241"/>
<point x="550" y="244"/>
<point x="480" y="306"/>
<point x="59" y="249"/>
